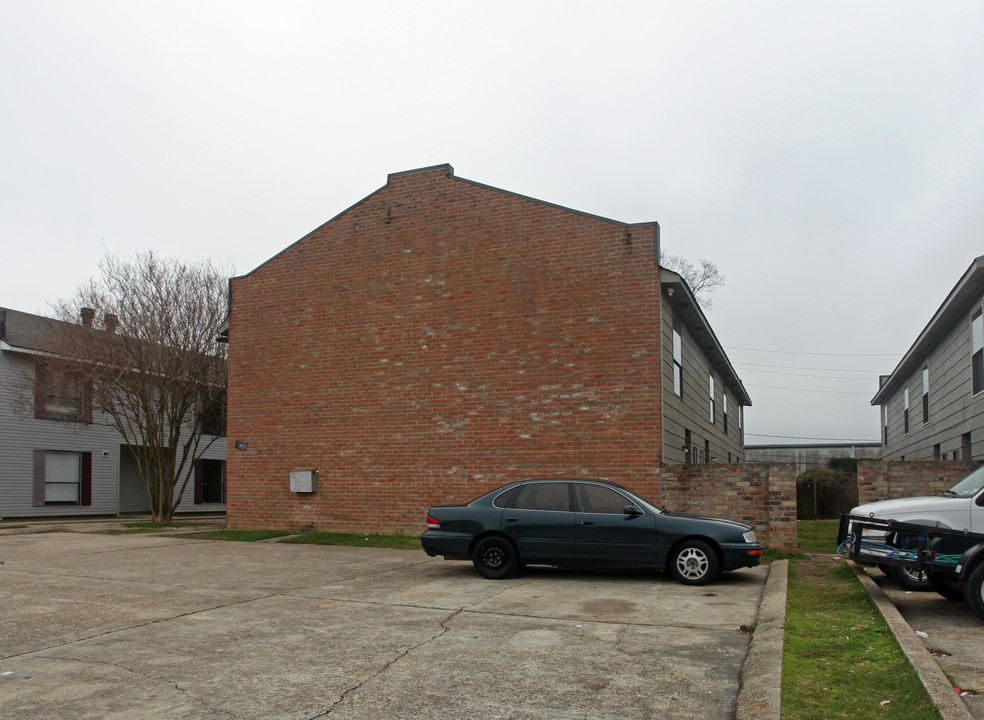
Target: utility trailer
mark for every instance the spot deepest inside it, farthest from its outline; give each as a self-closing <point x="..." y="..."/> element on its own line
<point x="952" y="560"/>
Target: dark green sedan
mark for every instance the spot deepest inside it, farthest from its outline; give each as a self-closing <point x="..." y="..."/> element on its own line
<point x="585" y="523"/>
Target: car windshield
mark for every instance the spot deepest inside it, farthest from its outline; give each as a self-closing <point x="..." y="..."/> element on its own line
<point x="970" y="485"/>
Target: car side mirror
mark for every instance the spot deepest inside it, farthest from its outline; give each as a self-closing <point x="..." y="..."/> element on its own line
<point x="631" y="511"/>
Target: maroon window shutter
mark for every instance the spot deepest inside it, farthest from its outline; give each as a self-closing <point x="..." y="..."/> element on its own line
<point x="40" y="391"/>
<point x="85" y="487"/>
<point x="39" y="478"/>
<point x="199" y="481"/>
<point x="87" y="401"/>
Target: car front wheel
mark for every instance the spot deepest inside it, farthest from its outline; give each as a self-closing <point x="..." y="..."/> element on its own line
<point x="694" y="562"/>
<point x="495" y="558"/>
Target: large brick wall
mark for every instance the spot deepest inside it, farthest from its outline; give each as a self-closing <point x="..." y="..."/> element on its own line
<point x="434" y="341"/>
<point x="762" y="495"/>
<point x="887" y="480"/>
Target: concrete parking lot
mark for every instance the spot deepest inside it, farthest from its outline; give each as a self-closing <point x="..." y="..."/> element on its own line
<point x="97" y="626"/>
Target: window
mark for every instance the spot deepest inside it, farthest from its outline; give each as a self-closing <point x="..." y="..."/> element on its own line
<point x="977" y="350"/>
<point x="62" y="478"/>
<point x="885" y="424"/>
<point x="905" y="410"/>
<point x="677" y="359"/>
<point x="710" y="389"/>
<point x="724" y="408"/>
<point x="925" y="396"/>
<point x="209" y="481"/>
<point x="543" y="496"/>
<point x="61" y="394"/>
<point x="598" y="499"/>
<point x="213" y="415"/>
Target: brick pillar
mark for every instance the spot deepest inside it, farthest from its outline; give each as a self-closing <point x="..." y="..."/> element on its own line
<point x="872" y="481"/>
<point x="782" y="508"/>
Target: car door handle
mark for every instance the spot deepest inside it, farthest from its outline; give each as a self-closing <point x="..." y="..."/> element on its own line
<point x="587" y="522"/>
<point x="512" y="519"/>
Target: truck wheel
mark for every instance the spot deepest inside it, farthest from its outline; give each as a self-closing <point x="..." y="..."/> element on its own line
<point x="973" y="589"/>
<point x="948" y="587"/>
<point x="907" y="578"/>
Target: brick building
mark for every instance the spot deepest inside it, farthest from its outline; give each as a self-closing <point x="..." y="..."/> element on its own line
<point x="442" y="337"/>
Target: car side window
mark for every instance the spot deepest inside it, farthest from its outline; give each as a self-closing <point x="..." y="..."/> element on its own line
<point x="599" y="499"/>
<point x="543" y="496"/>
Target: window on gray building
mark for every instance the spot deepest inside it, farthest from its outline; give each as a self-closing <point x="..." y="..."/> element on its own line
<point x="710" y="388"/>
<point x="677" y="359"/>
<point x="925" y="396"/>
<point x="977" y="348"/>
<point x="905" y="410"/>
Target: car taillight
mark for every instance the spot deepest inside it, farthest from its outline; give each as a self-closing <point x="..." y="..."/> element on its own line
<point x="432" y="523"/>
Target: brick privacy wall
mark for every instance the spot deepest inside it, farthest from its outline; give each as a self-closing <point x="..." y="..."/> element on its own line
<point x="762" y="495"/>
<point x="432" y="342"/>
<point x="887" y="480"/>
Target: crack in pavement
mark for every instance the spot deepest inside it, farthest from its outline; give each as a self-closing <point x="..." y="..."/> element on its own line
<point x="157" y="678"/>
<point x="74" y="641"/>
<point x="445" y="628"/>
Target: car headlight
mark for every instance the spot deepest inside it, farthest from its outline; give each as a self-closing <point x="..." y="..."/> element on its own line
<point x="749" y="536"/>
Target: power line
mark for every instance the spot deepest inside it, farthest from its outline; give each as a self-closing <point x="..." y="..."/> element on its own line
<point x="800" y="367"/>
<point x="822" y="377"/>
<point x="838" y="392"/>
<point x="791" y="352"/>
<point x="797" y="437"/>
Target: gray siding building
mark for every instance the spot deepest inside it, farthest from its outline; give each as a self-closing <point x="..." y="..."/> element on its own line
<point x="932" y="405"/>
<point x="703" y="397"/>
<point x="53" y="465"/>
<point x="812" y="455"/>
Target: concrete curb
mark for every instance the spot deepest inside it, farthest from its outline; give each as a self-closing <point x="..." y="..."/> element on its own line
<point x="760" y="696"/>
<point x="941" y="692"/>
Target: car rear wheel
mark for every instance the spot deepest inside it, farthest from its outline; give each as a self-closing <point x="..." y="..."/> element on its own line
<point x="495" y="558"/>
<point x="694" y="562"/>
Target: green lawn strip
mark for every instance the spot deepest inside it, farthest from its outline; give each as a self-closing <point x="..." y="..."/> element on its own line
<point x="840" y="660"/>
<point x="236" y="535"/>
<point x="395" y="542"/>
<point x="817" y="536"/>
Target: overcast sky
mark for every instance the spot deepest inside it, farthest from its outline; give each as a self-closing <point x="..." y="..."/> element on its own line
<point x="828" y="156"/>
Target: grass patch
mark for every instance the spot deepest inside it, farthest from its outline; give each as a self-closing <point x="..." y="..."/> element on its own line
<point x="396" y="542"/>
<point x="840" y="660"/>
<point x="817" y="536"/>
<point x="237" y="535"/>
<point x="146" y="526"/>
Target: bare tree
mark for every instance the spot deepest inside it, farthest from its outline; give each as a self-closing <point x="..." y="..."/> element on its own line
<point x="148" y="353"/>
<point x="703" y="280"/>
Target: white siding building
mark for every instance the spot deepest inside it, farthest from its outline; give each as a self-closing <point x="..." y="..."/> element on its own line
<point x="53" y="465"/>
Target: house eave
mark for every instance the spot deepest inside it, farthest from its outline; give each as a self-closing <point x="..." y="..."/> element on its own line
<point x="968" y="290"/>
<point x="677" y="293"/>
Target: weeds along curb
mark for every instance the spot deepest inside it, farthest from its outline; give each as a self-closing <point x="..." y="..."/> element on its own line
<point x="949" y="704"/>
<point x="760" y="696"/>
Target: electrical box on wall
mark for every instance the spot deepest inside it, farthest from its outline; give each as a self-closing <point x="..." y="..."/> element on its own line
<point x="303" y="481"/>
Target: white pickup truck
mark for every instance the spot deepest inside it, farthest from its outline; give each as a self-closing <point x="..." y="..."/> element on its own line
<point x="959" y="508"/>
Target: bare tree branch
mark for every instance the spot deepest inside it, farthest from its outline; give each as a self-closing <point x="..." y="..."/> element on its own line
<point x="703" y="280"/>
<point x="151" y="357"/>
